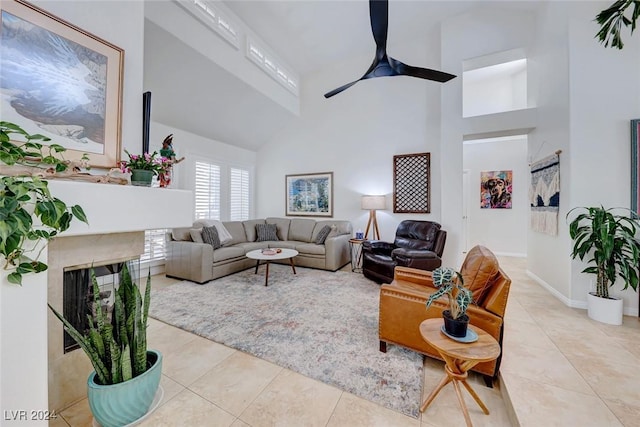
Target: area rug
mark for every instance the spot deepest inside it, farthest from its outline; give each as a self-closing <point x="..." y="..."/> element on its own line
<point x="323" y="325"/>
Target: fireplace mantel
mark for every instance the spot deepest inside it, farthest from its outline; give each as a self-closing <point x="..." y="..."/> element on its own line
<point x="110" y="209"/>
<point x="122" y="208"/>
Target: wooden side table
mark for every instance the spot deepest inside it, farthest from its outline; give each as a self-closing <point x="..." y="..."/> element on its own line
<point x="459" y="358"/>
<point x="356" y="254"/>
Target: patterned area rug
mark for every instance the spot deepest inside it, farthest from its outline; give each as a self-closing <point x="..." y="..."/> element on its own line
<point x="321" y="324"/>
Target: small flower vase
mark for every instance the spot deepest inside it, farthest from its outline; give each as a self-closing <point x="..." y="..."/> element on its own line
<point x="141" y="177"/>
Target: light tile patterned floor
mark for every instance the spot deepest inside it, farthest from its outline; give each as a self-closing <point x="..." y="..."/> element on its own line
<point x="552" y="377"/>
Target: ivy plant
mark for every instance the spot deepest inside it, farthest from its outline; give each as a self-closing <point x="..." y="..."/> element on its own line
<point x="29" y="213"/>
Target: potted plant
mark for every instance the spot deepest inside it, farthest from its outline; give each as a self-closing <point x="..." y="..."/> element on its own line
<point x="450" y="282"/>
<point x="143" y="167"/>
<point x="126" y="378"/>
<point x="609" y="238"/>
<point x="24" y="194"/>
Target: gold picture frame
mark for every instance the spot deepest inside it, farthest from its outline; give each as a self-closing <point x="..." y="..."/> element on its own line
<point x="61" y="81"/>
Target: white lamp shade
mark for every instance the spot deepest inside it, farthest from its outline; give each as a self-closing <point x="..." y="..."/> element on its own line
<point x="374" y="202"/>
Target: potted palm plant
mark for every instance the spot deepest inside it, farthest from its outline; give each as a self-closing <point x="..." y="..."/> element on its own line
<point x="609" y="238"/>
<point x="127" y="375"/>
<point x="449" y="282"/>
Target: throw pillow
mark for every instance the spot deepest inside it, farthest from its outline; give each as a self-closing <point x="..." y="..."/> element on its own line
<point x="196" y="235"/>
<point x="266" y="232"/>
<point x="323" y="234"/>
<point x="181" y="235"/>
<point x="210" y="236"/>
<point x="223" y="233"/>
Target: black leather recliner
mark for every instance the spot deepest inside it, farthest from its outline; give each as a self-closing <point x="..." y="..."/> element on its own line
<point x="418" y="244"/>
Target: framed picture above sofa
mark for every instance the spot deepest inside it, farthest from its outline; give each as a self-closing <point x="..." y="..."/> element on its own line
<point x="309" y="194"/>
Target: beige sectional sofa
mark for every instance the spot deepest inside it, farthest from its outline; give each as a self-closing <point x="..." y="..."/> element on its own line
<point x="200" y="263"/>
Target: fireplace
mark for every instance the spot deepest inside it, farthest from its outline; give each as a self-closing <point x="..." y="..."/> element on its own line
<point x="35" y="370"/>
<point x="78" y="296"/>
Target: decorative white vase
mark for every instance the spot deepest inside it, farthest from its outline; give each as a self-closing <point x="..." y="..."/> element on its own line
<point x="605" y="310"/>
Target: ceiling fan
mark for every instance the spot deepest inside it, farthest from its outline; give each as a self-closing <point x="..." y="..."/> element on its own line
<point x="384" y="65"/>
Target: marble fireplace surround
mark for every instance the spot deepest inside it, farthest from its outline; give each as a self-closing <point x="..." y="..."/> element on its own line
<point x="36" y="375"/>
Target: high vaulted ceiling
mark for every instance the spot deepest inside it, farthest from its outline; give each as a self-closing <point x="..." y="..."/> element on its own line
<point x="308" y="35"/>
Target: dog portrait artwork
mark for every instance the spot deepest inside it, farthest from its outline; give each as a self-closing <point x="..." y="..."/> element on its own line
<point x="495" y="189"/>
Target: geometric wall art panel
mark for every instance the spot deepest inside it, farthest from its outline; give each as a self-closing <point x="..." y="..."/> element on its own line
<point x="411" y="183"/>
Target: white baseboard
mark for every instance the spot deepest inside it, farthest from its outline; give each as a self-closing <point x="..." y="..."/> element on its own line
<point x="511" y="254"/>
<point x="628" y="311"/>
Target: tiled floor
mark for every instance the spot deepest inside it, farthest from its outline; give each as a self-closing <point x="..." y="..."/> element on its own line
<point x="561" y="368"/>
<point x="554" y="376"/>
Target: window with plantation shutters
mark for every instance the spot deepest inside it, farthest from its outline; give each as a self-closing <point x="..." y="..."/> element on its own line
<point x="238" y="194"/>
<point x="207" y="190"/>
<point x="154" y="245"/>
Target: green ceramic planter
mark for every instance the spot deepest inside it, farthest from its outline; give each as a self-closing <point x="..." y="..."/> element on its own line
<point x="141" y="177"/>
<point x="117" y="405"/>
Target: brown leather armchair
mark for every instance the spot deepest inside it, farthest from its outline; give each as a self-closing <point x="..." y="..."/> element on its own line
<point x="418" y="244"/>
<point x="403" y="305"/>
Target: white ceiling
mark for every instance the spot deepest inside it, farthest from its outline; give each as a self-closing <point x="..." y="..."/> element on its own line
<point x="308" y="35"/>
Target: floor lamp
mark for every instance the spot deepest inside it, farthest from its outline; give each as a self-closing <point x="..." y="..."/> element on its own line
<point x="372" y="203"/>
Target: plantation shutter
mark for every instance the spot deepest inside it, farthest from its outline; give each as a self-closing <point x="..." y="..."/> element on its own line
<point x="207" y="191"/>
<point x="239" y="194"/>
<point x="154" y="245"/>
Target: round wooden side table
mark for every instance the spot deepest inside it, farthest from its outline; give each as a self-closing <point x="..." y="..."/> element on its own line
<point x="459" y="358"/>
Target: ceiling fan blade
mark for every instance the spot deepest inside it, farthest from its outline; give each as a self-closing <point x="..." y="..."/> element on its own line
<point x="423" y="73"/>
<point x="379" y="14"/>
<point x="340" y="89"/>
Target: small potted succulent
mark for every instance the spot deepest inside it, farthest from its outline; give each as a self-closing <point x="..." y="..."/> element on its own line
<point x="450" y="282"/>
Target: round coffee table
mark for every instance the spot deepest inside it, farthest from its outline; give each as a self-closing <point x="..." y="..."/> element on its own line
<point x="459" y="358"/>
<point x="283" y="254"/>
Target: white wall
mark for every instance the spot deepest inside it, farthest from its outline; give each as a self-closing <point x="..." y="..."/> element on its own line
<point x="194" y="147"/>
<point x="175" y="19"/>
<point x="355" y="134"/>
<point x="504" y="231"/>
<point x="603" y="100"/>
<point x="23" y="329"/>
<point x="501" y="30"/>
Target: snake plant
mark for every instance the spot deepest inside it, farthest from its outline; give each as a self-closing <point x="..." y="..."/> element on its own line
<point x="450" y="282"/>
<point x="115" y="344"/>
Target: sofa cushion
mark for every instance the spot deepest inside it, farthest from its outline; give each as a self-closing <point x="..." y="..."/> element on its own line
<point x="250" y="229"/>
<point x="224" y="254"/>
<point x="266" y="232"/>
<point x="196" y="235"/>
<point x="181" y="234"/>
<point x="236" y="229"/>
<point x="310" y="249"/>
<point x="223" y="233"/>
<point x="210" y="236"/>
<point x="282" y="225"/>
<point x="479" y="269"/>
<point x="301" y="229"/>
<point x="323" y="234"/>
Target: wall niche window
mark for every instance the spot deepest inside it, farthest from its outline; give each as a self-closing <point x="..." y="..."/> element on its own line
<point x="494" y="83"/>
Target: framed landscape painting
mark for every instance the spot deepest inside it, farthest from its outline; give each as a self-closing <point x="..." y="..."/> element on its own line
<point x="309" y="194"/>
<point x="62" y="82"/>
